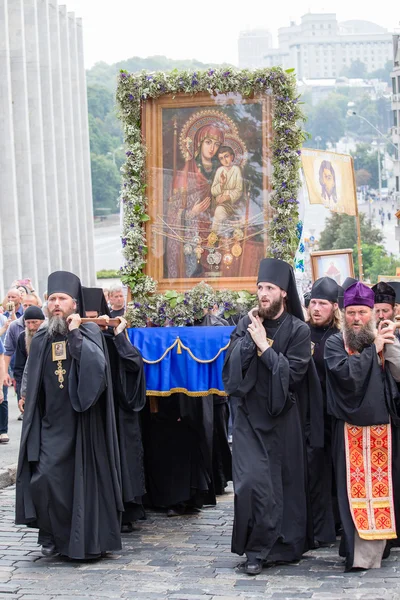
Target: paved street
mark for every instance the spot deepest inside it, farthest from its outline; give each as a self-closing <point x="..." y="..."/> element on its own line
<point x="185" y="558"/>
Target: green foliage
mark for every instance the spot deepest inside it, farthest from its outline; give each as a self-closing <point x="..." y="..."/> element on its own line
<point x="108" y="274"/>
<point x="340" y="232"/>
<point x="105" y="183"/>
<point x="357" y="70"/>
<point x="366" y="158"/>
<point x="102" y="74"/>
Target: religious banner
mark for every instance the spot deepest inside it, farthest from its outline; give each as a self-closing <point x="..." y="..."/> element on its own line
<point x="330" y="180"/>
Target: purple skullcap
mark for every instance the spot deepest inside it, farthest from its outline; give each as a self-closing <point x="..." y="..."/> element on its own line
<point x="359" y="294"/>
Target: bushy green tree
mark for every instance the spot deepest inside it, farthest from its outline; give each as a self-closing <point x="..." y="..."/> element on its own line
<point x="105" y="184"/>
<point x="340" y="232"/>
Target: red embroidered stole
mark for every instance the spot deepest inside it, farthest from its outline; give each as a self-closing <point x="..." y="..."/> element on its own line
<point x="369" y="480"/>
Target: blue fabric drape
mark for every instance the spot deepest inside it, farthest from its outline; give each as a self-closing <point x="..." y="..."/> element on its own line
<point x="182" y="350"/>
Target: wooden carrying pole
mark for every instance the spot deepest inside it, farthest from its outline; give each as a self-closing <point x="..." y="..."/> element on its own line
<point x="360" y="264"/>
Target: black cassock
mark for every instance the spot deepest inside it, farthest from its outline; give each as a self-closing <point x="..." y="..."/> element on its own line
<point x="269" y="463"/>
<point x="69" y="478"/>
<point x="129" y="390"/>
<point x="320" y="468"/>
<point x="177" y="436"/>
<point x="359" y="392"/>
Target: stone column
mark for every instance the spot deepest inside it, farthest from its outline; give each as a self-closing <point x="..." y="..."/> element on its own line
<point x="36" y="140"/>
<point x="10" y="255"/>
<point x="86" y="154"/>
<point x="22" y="146"/>
<point x="72" y="204"/>
<point x="53" y="166"/>
<point x="63" y="184"/>
<point x="77" y="129"/>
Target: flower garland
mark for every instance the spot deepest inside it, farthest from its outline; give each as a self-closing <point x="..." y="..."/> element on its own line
<point x="132" y="89"/>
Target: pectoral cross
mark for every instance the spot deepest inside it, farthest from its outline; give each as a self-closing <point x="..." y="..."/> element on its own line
<point x="60" y="372"/>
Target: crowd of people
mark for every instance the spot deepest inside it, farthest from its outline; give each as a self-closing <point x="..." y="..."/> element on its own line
<point x="316" y="430"/>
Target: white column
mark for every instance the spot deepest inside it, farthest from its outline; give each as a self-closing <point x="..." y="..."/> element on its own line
<point x="63" y="184"/>
<point x="23" y="164"/>
<point x="87" y="175"/>
<point x="77" y="130"/>
<point x="10" y="246"/>
<point x="36" y="140"/>
<point x="52" y="167"/>
<point x="72" y="204"/>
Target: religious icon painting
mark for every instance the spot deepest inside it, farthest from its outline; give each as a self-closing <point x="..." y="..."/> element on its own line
<point x="337" y="264"/>
<point x="208" y="183"/>
<point x="59" y="351"/>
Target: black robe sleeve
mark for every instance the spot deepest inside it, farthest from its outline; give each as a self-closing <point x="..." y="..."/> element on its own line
<point x="276" y="376"/>
<point x="21" y="356"/>
<point x="131" y="374"/>
<point x="87" y="379"/>
<point x="354" y="385"/>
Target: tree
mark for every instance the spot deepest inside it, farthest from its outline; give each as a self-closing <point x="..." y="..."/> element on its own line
<point x="326" y="120"/>
<point x="340" y="232"/>
<point x="356" y="70"/>
<point x="366" y="158"/>
<point x="105" y="183"/>
<point x="363" y="177"/>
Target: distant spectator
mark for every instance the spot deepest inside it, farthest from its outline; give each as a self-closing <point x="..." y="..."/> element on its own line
<point x="117" y="301"/>
<point x="15" y="328"/>
<point x="12" y="304"/>
<point x="3" y="403"/>
<point x="33" y="319"/>
<point x="106" y="293"/>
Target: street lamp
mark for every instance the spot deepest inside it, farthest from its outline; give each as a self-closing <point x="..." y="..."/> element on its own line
<point x="353" y="113"/>
<point x="113" y="153"/>
<point x="378" y="147"/>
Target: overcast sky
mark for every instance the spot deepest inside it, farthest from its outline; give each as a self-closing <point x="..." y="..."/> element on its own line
<point x="118" y="29"/>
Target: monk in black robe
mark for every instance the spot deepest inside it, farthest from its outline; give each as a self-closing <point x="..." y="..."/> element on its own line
<point x="68" y="478"/>
<point x="363" y="400"/>
<point x="324" y="321"/>
<point x="129" y="392"/>
<point x="267" y="360"/>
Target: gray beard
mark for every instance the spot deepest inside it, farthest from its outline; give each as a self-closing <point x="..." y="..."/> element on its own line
<point x="28" y="339"/>
<point x="57" y="326"/>
<point x="270" y="312"/>
<point x="358" y="340"/>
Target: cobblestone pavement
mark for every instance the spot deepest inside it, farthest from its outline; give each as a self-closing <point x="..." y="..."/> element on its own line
<point x="184" y="558"/>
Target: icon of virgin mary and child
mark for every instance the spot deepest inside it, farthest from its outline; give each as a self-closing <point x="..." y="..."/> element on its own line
<point x="207" y="192"/>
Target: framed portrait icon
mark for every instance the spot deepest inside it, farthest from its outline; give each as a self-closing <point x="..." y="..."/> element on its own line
<point x="337" y="264"/>
<point x="208" y="177"/>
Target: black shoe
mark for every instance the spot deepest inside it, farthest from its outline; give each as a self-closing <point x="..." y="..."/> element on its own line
<point x="48" y="549"/>
<point x="251" y="568"/>
<point x="126" y="528"/>
<point x="176" y="511"/>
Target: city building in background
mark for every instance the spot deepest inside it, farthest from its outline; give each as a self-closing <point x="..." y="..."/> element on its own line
<point x="45" y="190"/>
<point x="320" y="46"/>
<point x="253" y="46"/>
<point x="396" y="111"/>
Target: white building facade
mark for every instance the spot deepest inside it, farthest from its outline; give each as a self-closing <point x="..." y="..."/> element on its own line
<point x="396" y="111"/>
<point x="253" y="44"/>
<point x="320" y="46"/>
<point x="45" y="190"/>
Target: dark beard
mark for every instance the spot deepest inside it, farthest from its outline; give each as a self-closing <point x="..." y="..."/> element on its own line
<point x="272" y="311"/>
<point x="358" y="340"/>
<point x="57" y="326"/>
